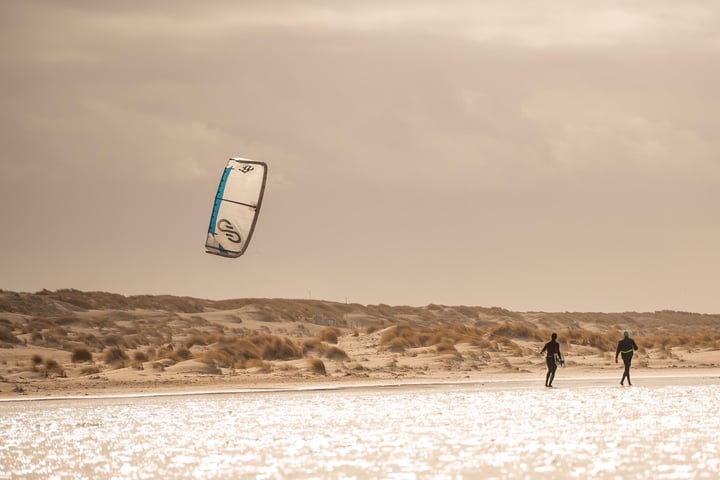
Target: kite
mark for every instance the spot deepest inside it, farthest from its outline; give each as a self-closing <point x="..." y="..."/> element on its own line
<point x="236" y="207"/>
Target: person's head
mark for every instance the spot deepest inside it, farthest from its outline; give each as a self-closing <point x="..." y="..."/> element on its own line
<point x="626" y="334"/>
<point x="554" y="336"/>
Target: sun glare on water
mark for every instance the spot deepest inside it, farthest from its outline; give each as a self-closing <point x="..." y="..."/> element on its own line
<point x="458" y="431"/>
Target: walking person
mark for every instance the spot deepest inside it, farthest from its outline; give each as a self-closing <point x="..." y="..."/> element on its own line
<point x="553" y="356"/>
<point x="626" y="347"/>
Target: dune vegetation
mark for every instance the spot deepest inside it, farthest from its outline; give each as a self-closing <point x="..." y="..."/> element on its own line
<point x="73" y="333"/>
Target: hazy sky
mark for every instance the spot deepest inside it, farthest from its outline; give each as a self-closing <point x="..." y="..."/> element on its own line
<point x="532" y="155"/>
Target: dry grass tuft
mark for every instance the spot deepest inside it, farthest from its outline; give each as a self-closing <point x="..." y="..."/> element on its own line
<point x="704" y="339"/>
<point x="513" y="330"/>
<point x="183" y="353"/>
<point x="335" y="353"/>
<point x="7" y="336"/>
<point x="312" y="345"/>
<point x="90" y="370"/>
<point x="403" y="336"/>
<point x="80" y="355"/>
<point x="317" y="366"/>
<point x="315" y="346"/>
<point x="329" y="335"/>
<point x="115" y="356"/>
<point x="606" y="341"/>
<point x="273" y="347"/>
<point x="140" y="356"/>
<point x="52" y="367"/>
<point x="234" y="352"/>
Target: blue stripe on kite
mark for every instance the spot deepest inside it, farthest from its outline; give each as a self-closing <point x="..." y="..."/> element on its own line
<point x="218" y="199"/>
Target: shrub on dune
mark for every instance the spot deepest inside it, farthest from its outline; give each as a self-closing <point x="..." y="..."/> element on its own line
<point x="194" y="340"/>
<point x="606" y="341"/>
<point x="218" y="359"/>
<point x="395" y="344"/>
<point x="311" y="345"/>
<point x="115" y="356"/>
<point x="317" y="366"/>
<point x="7" y="336"/>
<point x="273" y="347"/>
<point x="329" y="335"/>
<point x="236" y="352"/>
<point x="53" y="367"/>
<point x="81" y="354"/>
<point x="90" y="370"/>
<point x="400" y="337"/>
<point x="140" y="356"/>
<point x="184" y="353"/>
<point x="335" y="353"/>
<point x="512" y="330"/>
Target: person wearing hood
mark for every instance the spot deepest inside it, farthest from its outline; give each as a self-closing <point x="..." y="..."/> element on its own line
<point x="626" y="347"/>
<point x="553" y="356"/>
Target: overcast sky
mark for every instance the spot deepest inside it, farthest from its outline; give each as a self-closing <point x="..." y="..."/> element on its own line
<point x="531" y="155"/>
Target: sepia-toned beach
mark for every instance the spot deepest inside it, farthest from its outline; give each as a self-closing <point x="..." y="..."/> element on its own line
<point x="73" y="343"/>
<point x="101" y="385"/>
<point x="330" y="240"/>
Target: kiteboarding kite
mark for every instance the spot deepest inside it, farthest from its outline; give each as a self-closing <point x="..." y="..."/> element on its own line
<point x="236" y="208"/>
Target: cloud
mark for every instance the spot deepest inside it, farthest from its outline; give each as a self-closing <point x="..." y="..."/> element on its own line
<point x="456" y="144"/>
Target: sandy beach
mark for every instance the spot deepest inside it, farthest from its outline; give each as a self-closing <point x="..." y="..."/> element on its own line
<point x="129" y="382"/>
<point x="99" y="385"/>
<point x="71" y="343"/>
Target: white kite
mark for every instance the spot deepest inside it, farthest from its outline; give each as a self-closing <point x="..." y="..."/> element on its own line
<point x="236" y="208"/>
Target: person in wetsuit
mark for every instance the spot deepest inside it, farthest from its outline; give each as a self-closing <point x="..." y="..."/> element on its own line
<point x="553" y="350"/>
<point x="626" y="347"/>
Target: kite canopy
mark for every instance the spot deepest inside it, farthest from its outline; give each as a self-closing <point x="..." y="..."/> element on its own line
<point x="237" y="204"/>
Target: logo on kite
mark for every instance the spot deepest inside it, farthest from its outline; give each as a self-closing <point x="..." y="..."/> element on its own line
<point x="228" y="229"/>
<point x="236" y="207"/>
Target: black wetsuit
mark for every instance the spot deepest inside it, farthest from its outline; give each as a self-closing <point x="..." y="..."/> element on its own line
<point x="625" y="348"/>
<point x="552" y="348"/>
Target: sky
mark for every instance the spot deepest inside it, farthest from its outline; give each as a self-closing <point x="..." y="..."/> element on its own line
<point x="535" y="156"/>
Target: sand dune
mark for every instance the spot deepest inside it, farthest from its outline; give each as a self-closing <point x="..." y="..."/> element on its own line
<point x="162" y="344"/>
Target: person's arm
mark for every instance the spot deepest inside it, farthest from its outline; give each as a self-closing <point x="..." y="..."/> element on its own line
<point x="617" y="352"/>
<point x="543" y="349"/>
<point x="635" y="345"/>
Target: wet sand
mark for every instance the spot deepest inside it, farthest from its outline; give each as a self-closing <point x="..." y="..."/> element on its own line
<point x="122" y="386"/>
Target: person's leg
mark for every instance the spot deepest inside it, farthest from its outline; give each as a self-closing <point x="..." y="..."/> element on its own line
<point x="547" y="377"/>
<point x="552" y="366"/>
<point x="627" y="360"/>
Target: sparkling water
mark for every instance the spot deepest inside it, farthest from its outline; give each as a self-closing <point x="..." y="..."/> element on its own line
<point x="447" y="431"/>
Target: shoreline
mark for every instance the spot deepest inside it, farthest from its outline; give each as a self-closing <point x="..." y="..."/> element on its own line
<point x="73" y="391"/>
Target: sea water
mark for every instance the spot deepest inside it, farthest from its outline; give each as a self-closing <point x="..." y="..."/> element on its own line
<point x="457" y="431"/>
